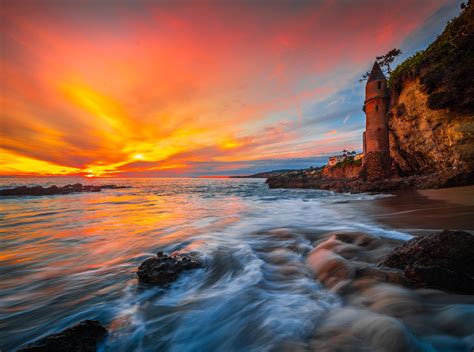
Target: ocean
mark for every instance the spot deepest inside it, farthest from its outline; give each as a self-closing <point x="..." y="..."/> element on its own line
<point x="72" y="257"/>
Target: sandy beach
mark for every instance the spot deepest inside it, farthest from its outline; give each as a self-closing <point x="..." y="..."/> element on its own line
<point x="424" y="211"/>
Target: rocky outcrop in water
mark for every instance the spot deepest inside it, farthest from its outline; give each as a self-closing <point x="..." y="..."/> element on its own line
<point x="304" y="180"/>
<point x="381" y="311"/>
<point x="444" y="260"/>
<point x="332" y="260"/>
<point x="83" y="337"/>
<point x="54" y="190"/>
<point x="164" y="269"/>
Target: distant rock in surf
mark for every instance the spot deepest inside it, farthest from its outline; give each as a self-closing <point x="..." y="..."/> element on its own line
<point x="83" y="337"/>
<point x="164" y="269"/>
<point x="53" y="190"/>
<point x="444" y="260"/>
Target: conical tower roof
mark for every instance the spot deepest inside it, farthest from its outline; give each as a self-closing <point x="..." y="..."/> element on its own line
<point x="376" y="73"/>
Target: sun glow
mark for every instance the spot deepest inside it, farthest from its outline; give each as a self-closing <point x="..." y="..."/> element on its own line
<point x="230" y="144"/>
<point x="12" y="164"/>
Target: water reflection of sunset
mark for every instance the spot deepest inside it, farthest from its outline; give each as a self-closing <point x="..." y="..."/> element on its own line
<point x="98" y="230"/>
<point x="63" y="245"/>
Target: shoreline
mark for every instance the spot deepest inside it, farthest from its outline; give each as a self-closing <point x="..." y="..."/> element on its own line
<point x="422" y="212"/>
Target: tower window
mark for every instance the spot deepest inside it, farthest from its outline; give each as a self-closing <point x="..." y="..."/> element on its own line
<point x="376" y="108"/>
<point x="379" y="85"/>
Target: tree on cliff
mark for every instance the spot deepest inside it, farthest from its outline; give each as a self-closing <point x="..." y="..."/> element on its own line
<point x="464" y="5"/>
<point x="347" y="153"/>
<point x="384" y="61"/>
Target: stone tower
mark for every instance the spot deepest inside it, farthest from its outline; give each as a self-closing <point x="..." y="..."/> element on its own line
<point x="376" y="148"/>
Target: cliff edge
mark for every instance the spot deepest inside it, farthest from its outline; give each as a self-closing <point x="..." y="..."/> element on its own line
<point x="431" y="120"/>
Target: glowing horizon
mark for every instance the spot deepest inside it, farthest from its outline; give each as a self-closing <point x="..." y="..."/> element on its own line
<point x="157" y="88"/>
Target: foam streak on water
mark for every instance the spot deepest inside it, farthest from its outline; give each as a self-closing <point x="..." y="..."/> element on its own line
<point x="73" y="257"/>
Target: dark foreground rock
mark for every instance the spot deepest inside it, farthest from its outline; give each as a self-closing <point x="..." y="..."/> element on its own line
<point x="164" y="269"/>
<point x="305" y="179"/>
<point x="53" y="190"/>
<point x="444" y="260"/>
<point x="83" y="337"/>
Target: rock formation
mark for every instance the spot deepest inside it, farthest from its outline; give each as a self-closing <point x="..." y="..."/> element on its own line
<point x="83" y="337"/>
<point x="350" y="170"/>
<point x="444" y="260"/>
<point x="380" y="310"/>
<point x="425" y="140"/>
<point x="53" y="190"/>
<point x="164" y="269"/>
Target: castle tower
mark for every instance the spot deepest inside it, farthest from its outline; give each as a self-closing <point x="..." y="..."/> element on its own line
<point x="376" y="105"/>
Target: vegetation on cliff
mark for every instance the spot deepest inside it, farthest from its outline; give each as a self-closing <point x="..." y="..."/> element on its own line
<point x="446" y="67"/>
<point x="349" y="161"/>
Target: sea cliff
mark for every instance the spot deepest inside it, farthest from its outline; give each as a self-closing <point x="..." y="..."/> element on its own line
<point x="348" y="170"/>
<point x="425" y="140"/>
<point x="430" y="122"/>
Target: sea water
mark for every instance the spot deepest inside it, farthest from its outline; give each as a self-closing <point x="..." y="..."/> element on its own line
<point x="72" y="257"/>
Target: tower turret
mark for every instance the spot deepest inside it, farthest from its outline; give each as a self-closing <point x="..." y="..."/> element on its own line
<point x="376" y="147"/>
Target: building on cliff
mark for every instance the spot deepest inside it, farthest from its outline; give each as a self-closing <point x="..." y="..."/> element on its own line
<point x="333" y="160"/>
<point x="376" y="161"/>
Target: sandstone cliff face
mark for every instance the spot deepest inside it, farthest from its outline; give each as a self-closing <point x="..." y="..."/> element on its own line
<point x="347" y="171"/>
<point x="431" y="127"/>
<point x="423" y="140"/>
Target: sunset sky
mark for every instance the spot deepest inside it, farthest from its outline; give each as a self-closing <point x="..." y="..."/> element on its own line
<point x="190" y="88"/>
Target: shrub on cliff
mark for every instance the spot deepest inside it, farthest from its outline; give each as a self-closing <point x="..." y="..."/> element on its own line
<point x="348" y="161"/>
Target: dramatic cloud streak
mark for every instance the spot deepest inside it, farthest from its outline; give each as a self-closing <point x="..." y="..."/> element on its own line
<point x="166" y="88"/>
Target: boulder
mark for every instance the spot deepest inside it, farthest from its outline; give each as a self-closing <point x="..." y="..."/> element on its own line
<point x="83" y="337"/>
<point x="444" y="260"/>
<point x="164" y="269"/>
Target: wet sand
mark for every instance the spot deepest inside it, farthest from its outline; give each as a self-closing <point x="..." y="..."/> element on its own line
<point x="420" y="212"/>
